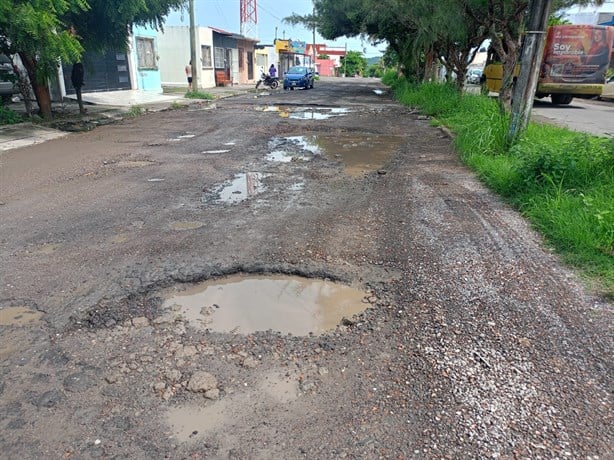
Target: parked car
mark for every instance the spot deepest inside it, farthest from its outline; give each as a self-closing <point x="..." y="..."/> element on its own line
<point x="8" y="85"/>
<point x="473" y="76"/>
<point x="298" y="77"/>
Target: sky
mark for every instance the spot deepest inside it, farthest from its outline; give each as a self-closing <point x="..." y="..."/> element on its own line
<point x="225" y="14"/>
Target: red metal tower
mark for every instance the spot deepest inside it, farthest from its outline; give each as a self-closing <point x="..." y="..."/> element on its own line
<point x="249" y="18"/>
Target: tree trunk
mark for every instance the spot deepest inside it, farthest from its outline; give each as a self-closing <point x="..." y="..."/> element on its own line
<point x="41" y="90"/>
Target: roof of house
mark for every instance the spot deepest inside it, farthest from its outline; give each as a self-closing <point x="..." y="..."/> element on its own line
<point x="233" y="35"/>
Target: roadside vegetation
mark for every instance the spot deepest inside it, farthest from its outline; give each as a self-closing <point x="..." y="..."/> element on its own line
<point x="562" y="181"/>
<point x="8" y="116"/>
<point x="199" y="95"/>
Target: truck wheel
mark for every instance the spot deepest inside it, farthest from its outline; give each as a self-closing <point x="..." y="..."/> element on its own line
<point x="561" y="99"/>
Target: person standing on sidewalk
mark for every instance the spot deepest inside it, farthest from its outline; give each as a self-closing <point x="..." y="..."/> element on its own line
<point x="188" y="73"/>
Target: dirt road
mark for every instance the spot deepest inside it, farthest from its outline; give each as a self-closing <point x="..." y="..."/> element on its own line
<point x="475" y="341"/>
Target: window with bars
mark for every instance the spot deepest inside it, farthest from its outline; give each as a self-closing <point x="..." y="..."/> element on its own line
<point x="219" y="58"/>
<point x="146" y="53"/>
<point x="205" y="51"/>
<point x="241" y="58"/>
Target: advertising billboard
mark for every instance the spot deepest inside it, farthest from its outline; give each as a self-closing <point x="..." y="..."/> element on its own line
<point x="577" y="54"/>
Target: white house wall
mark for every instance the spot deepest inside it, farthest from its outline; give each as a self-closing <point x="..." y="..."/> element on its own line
<point x="174" y="51"/>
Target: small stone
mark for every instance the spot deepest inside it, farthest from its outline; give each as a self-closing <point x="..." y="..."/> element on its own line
<point x="174" y="375"/>
<point x="212" y="394"/>
<point x="250" y="363"/>
<point x="141" y="321"/>
<point x="347" y="321"/>
<point x="112" y="377"/>
<point x="50" y="399"/>
<point x="202" y="381"/>
<point x="186" y="352"/>
<point x="207" y="351"/>
<point x="524" y="342"/>
<point x="159" y="386"/>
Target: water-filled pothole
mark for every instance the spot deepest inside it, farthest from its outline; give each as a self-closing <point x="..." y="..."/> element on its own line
<point x="240" y="188"/>
<point x="19" y="316"/>
<point x="288" y="304"/>
<point x="359" y="153"/>
<point x="306" y="113"/>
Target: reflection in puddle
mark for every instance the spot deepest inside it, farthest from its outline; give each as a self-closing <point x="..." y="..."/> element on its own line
<point x="287" y="304"/>
<point x="319" y="114"/>
<point x="293" y="148"/>
<point x="306" y="113"/>
<point x="285" y="157"/>
<point x="216" y="151"/>
<point x="358" y="153"/>
<point x="19" y="316"/>
<point x="242" y="187"/>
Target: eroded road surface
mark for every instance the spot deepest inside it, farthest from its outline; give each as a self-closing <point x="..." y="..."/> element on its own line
<point x="448" y="330"/>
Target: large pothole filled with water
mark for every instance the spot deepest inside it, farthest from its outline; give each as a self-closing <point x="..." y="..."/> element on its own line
<point x="245" y="304"/>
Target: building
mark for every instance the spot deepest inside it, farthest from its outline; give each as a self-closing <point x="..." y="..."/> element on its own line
<point x="331" y="65"/>
<point x="233" y="58"/>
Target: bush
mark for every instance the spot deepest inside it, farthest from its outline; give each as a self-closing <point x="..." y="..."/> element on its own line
<point x="8" y="116"/>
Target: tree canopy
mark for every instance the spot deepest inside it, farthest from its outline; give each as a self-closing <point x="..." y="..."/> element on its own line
<point x="46" y="32"/>
<point x="421" y="31"/>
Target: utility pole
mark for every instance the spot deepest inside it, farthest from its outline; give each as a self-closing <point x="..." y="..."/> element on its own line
<point x="530" y="63"/>
<point x="345" y="61"/>
<point x="193" y="55"/>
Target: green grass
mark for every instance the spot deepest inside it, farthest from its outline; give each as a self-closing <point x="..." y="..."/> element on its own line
<point x="8" y="116"/>
<point x="562" y="181"/>
<point x="135" y="111"/>
<point x="199" y="95"/>
<point x="177" y="106"/>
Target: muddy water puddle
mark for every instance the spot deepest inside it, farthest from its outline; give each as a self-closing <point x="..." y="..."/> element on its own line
<point x="357" y="153"/>
<point x="192" y="422"/>
<point x="288" y="304"/>
<point x="306" y="113"/>
<point x="240" y="188"/>
<point x="19" y="316"/>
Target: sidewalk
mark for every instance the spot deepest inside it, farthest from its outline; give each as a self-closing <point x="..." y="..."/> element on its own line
<point x="102" y="108"/>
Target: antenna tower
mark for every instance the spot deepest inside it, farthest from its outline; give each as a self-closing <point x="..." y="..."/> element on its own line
<point x="249" y="18"/>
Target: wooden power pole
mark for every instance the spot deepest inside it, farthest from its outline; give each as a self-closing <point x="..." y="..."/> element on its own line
<point x="530" y="63"/>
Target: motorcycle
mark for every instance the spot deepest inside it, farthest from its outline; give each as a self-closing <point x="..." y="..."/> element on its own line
<point x="267" y="80"/>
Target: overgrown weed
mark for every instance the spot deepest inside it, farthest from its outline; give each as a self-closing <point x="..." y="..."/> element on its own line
<point x="562" y="181"/>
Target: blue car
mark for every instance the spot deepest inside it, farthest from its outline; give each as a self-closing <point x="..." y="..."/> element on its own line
<point x="298" y="77"/>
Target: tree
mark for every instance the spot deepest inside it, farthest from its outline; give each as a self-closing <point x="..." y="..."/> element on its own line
<point x="46" y="32"/>
<point x="34" y="30"/>
<point x="107" y="24"/>
<point x="353" y="63"/>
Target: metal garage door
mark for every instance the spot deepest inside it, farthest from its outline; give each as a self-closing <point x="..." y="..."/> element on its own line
<point x="108" y="72"/>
